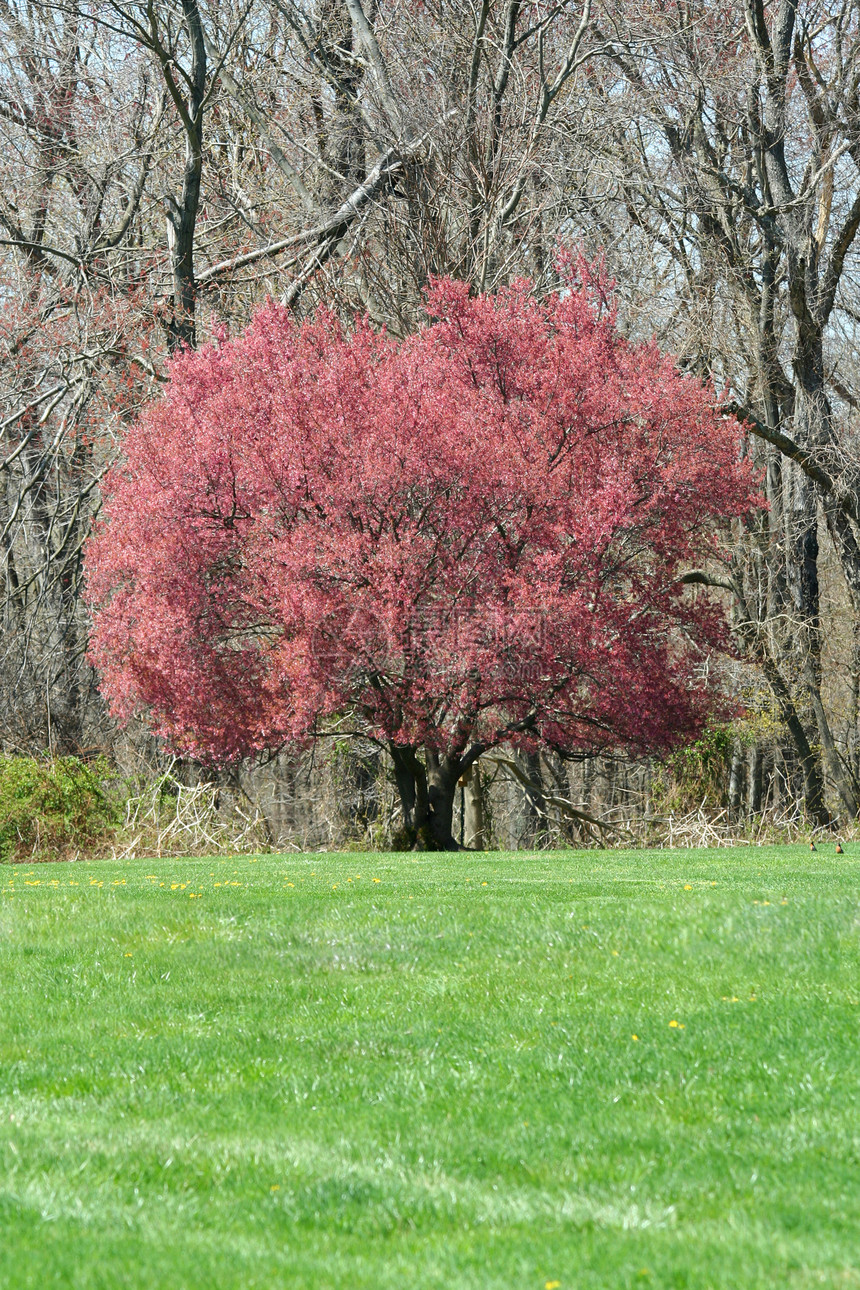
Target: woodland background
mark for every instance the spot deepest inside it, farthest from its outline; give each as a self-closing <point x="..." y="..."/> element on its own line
<point x="164" y="167"/>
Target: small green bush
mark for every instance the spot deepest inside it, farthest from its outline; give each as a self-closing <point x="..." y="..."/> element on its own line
<point x="698" y="773"/>
<point x="48" y="808"/>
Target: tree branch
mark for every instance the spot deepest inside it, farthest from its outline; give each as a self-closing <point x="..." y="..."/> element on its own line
<point x="844" y="498"/>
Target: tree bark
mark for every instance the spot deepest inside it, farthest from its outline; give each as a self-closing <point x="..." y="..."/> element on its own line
<point x="535" y="804"/>
<point x="473" y="809"/>
<point x="756" y="780"/>
<point x="427" y="785"/>
<point x="182" y="214"/>
<point x="736" y="781"/>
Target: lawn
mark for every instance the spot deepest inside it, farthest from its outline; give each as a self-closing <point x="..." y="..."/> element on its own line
<point x="362" y="1072"/>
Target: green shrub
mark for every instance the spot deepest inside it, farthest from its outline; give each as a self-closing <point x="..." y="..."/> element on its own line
<point x="698" y="773"/>
<point x="48" y="808"/>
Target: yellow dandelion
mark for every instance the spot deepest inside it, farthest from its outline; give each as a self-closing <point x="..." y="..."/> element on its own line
<point x="635" y="1038"/>
<point x="377" y="880"/>
<point x="688" y="886"/>
<point x="552" y="1285"/>
<point x="673" y="1024"/>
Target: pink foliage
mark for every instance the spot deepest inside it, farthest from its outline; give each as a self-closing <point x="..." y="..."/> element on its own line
<point x="470" y="536"/>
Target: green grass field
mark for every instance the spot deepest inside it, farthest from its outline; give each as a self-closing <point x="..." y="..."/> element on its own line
<point x="362" y="1072"/>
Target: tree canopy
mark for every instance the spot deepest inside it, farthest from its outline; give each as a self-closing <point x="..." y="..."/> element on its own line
<point x="469" y="537"/>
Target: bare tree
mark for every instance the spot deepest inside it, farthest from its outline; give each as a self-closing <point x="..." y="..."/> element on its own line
<point x="166" y="165"/>
<point x="78" y="137"/>
<point x="731" y="181"/>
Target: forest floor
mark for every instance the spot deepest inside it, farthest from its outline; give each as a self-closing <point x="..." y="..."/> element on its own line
<point x="552" y="1071"/>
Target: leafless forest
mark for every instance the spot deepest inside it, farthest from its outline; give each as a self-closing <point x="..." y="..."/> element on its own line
<point x="168" y="165"/>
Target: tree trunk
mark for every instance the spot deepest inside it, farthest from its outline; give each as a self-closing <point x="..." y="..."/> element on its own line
<point x="473" y="809"/>
<point x="182" y="214"/>
<point x="736" y="781"/>
<point x="535" y="803"/>
<point x="756" y="780"/>
<point x="808" y="757"/>
<point x="813" y="787"/>
<point x="427" y="787"/>
<point x="839" y="773"/>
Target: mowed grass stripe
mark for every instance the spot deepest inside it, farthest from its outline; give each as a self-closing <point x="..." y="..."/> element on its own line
<point x="602" y="1069"/>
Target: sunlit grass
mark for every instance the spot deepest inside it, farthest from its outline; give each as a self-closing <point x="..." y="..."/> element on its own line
<point x="363" y="1072"/>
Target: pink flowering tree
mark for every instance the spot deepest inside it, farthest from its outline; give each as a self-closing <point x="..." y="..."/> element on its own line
<point x="470" y="538"/>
